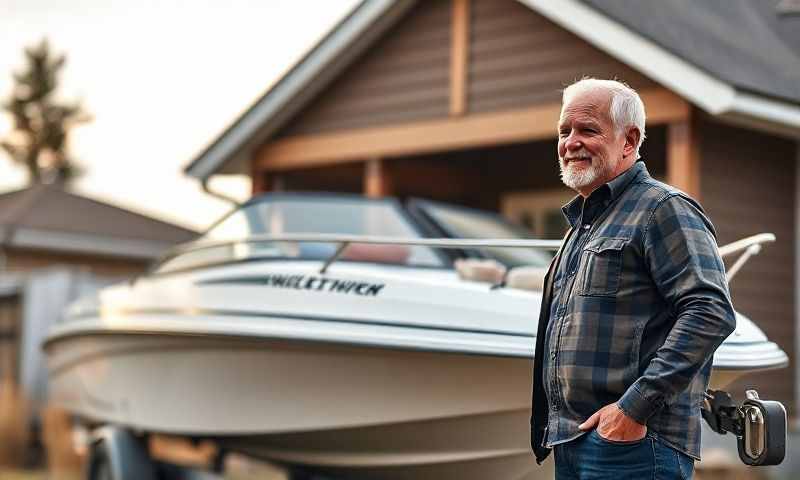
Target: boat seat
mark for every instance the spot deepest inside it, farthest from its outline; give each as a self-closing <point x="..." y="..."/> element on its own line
<point x="492" y="271"/>
<point x="526" y="278"/>
<point x="367" y="252"/>
<point x="480" y="270"/>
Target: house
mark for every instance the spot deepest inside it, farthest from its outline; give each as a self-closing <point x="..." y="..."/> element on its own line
<point x="457" y="100"/>
<point x="54" y="247"/>
<point x="44" y="225"/>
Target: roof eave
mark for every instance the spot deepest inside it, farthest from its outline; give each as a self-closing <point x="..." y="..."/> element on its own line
<point x="87" y="244"/>
<point x="764" y="113"/>
<point x="707" y="92"/>
<point x="683" y="78"/>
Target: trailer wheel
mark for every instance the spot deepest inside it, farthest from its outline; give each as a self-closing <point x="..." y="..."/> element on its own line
<point x="99" y="466"/>
<point x="117" y="454"/>
<point x="300" y="474"/>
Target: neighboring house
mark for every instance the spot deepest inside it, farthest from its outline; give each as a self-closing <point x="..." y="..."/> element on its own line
<point x="54" y="247"/>
<point x="45" y="225"/>
<point x="457" y="100"/>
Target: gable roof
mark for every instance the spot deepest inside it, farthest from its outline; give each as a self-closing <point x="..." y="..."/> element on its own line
<point x="746" y="43"/>
<point x="48" y="217"/>
<point x="662" y="51"/>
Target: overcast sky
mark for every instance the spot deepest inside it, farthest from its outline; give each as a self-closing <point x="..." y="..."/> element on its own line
<point x="162" y="79"/>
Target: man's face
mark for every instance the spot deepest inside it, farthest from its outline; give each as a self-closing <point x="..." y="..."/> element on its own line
<point x="590" y="152"/>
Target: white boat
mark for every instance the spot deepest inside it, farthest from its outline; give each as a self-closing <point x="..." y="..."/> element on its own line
<point x="333" y="334"/>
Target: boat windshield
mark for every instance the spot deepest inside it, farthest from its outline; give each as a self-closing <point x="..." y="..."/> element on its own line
<point x="304" y="215"/>
<point x="462" y="222"/>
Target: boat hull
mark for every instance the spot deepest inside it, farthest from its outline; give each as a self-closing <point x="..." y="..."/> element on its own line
<point x="360" y="412"/>
<point x="401" y="384"/>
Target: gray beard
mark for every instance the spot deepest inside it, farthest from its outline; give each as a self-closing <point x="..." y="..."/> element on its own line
<point x="575" y="178"/>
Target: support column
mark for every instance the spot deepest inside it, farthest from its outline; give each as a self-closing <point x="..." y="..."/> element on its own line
<point x="258" y="178"/>
<point x="258" y="183"/>
<point x="459" y="57"/>
<point x="683" y="157"/>
<point x="376" y="179"/>
<point x="263" y="181"/>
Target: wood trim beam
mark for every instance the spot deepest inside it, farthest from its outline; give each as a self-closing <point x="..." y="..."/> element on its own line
<point x="452" y="133"/>
<point x="683" y="157"/>
<point x="459" y="57"/>
<point x="377" y="182"/>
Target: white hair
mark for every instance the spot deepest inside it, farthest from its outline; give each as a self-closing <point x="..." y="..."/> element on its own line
<point x="627" y="109"/>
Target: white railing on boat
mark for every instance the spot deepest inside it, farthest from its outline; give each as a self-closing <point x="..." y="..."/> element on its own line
<point x="345" y="241"/>
<point x="749" y="246"/>
<point x="336" y="238"/>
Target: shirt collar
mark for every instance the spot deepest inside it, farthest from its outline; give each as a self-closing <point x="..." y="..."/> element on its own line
<point x="607" y="193"/>
<point x="624" y="179"/>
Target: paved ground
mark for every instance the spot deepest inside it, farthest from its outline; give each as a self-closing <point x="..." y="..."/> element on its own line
<point x="238" y="469"/>
<point x="22" y="475"/>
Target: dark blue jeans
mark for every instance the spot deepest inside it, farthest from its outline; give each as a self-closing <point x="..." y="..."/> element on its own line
<point x="591" y="457"/>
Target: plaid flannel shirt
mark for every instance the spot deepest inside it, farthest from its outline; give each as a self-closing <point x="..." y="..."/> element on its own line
<point x="633" y="313"/>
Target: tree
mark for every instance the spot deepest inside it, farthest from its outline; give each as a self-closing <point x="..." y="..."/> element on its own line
<point x="41" y="123"/>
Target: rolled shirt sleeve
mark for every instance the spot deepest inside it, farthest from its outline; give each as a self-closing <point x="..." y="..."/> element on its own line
<point x="680" y="251"/>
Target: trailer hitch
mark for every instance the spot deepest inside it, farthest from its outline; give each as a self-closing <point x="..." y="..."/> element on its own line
<point x="759" y="425"/>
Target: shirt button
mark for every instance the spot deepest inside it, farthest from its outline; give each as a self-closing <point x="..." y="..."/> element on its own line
<point x="587" y="227"/>
<point x="553" y="355"/>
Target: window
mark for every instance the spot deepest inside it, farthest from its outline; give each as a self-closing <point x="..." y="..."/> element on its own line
<point x="462" y="222"/>
<point x="539" y="210"/>
<point x="312" y="214"/>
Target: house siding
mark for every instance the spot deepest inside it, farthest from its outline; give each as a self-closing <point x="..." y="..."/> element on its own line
<point x="404" y="77"/>
<point x="519" y="58"/>
<point x="748" y="186"/>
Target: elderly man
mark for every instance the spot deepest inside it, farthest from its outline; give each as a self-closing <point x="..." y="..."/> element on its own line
<point x="635" y="303"/>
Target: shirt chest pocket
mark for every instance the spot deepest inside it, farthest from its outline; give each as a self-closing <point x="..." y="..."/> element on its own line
<point x="601" y="267"/>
